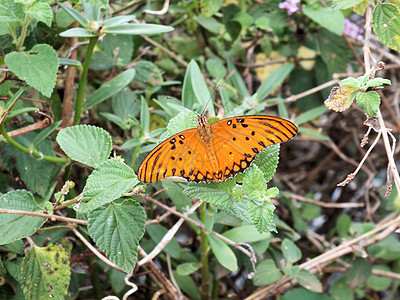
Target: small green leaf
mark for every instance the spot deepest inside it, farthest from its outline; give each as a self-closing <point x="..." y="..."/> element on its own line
<point x="84" y="22"/>
<point x="110" y="88"/>
<point x="246" y="234"/>
<point x="262" y="215"/>
<point x="326" y="17"/>
<point x="136" y="29"/>
<point x="237" y="81"/>
<point x="38" y="67"/>
<point x="71" y="62"/>
<point x="267" y="161"/>
<point x="77" y="32"/>
<point x="291" y="270"/>
<point x="41" y="11"/>
<point x="343" y="225"/>
<point x="144" y="116"/>
<point x="186" y="269"/>
<point x="379" y="283"/>
<point x="211" y="193"/>
<point x="223" y="253"/>
<point x="216" y="68"/>
<point x="184" y="120"/>
<point x="376" y="82"/>
<point x="274" y="80"/>
<point x="14" y="227"/>
<point x="107" y="183"/>
<point x="46" y="273"/>
<point x="118" y="20"/>
<point x="254" y="180"/>
<point x="89" y="145"/>
<point x="369" y="102"/>
<point x="386" y="24"/>
<point x="313" y="133"/>
<point x="359" y="273"/>
<point x="272" y="193"/>
<point x="309" y="281"/>
<point x="187" y="284"/>
<point x="117" y="230"/>
<point x="310" y="114"/>
<point x="210" y="24"/>
<point x="344" y="4"/>
<point x="290" y="251"/>
<point x="266" y="273"/>
<point x="195" y="92"/>
<point x="352" y="82"/>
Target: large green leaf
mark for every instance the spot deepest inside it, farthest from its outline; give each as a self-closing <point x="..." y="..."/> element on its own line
<point x="223" y="253"/>
<point x="89" y="145"/>
<point x="117" y="229"/>
<point x="246" y="234"/>
<point x="46" y="273"/>
<point x="327" y="18"/>
<point x="14" y="227"/>
<point x="107" y="183"/>
<point x="38" y="67"/>
<point x="135" y="29"/>
<point x="386" y="24"/>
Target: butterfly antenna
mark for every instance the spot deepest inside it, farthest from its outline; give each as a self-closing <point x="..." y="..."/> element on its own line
<point x="211" y="97"/>
<point x="168" y="97"/>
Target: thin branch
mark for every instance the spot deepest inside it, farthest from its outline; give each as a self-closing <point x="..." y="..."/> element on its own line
<point x="323" y="204"/>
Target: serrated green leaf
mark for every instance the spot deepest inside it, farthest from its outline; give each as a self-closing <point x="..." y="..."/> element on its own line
<point x="46" y="273"/>
<point x="38" y="67"/>
<point x="184" y="120"/>
<point x="290" y="251"/>
<point x="14" y="227"/>
<point x="42" y="12"/>
<point x="136" y="29"/>
<point x="110" y="88"/>
<point x="84" y="22"/>
<point x="309" y="281"/>
<point x="89" y="145"/>
<point x="77" y="32"/>
<point x="376" y="82"/>
<point x="350" y="81"/>
<point x="195" y="92"/>
<point x="157" y="232"/>
<point x="386" y="24"/>
<point x="369" y="102"/>
<point x="223" y="253"/>
<point x="211" y="193"/>
<point x="186" y="269"/>
<point x="107" y="183"/>
<point x="273" y="81"/>
<point x="117" y="230"/>
<point x="344" y="4"/>
<point x="266" y="273"/>
<point x="262" y="215"/>
<point x="326" y="17"/>
<point x="267" y="161"/>
<point x="246" y="234"/>
<point x="254" y="180"/>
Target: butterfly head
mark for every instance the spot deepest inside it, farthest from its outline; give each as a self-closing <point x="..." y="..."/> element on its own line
<point x="201" y="120"/>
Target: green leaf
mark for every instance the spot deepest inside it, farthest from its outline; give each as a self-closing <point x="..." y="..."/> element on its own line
<point x="266" y="273"/>
<point x="309" y="281"/>
<point x="84" y="22"/>
<point x="290" y="251"/>
<point x="187" y="284"/>
<point x="310" y="115"/>
<point x="246" y="234"/>
<point x="216" y="68"/>
<point x="107" y="183"/>
<point x="313" y="133"/>
<point x="223" y="253"/>
<point x="46" y="273"/>
<point x="14" y="227"/>
<point x="211" y="193"/>
<point x="184" y="120"/>
<point x="237" y="81"/>
<point x="71" y="62"/>
<point x="376" y="82"/>
<point x="157" y="232"/>
<point x="77" y="32"/>
<point x="38" y="67"/>
<point x="326" y="17"/>
<point x="110" y="88"/>
<point x="254" y="180"/>
<point x="210" y="24"/>
<point x="262" y="215"/>
<point x="45" y="133"/>
<point x="136" y="29"/>
<point x="290" y="270"/>
<point x="340" y="289"/>
<point x="145" y="116"/>
<point x="303" y="294"/>
<point x="118" y="20"/>
<point x="195" y="92"/>
<point x="98" y="3"/>
<point x="267" y="161"/>
<point x="352" y="82"/>
<point x="92" y="9"/>
<point x="117" y="230"/>
<point x="386" y="24"/>
<point x="274" y="80"/>
<point x="359" y="273"/>
<point x="89" y="145"/>
<point x="42" y="12"/>
<point x="369" y="102"/>
<point x="379" y="283"/>
<point x="343" y="224"/>
<point x="186" y="269"/>
<point x="344" y="4"/>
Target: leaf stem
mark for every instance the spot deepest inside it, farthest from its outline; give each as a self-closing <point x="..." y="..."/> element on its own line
<point x="31" y="152"/>
<point x="22" y="37"/>
<point x="83" y="80"/>
<point x="205" y="274"/>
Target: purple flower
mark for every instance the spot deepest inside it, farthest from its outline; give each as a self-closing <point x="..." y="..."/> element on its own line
<point x="352" y="30"/>
<point x="290" y="5"/>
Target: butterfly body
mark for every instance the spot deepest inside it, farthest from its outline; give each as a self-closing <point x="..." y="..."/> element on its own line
<point x="214" y="152"/>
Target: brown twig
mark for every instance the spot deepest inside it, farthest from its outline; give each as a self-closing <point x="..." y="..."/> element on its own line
<point x="323" y="204"/>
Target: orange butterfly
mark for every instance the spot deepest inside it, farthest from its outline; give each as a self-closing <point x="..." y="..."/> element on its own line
<point x="214" y="151"/>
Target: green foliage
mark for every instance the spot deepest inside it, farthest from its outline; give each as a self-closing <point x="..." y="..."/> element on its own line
<point x="327" y="18"/>
<point x="266" y="273"/>
<point x="46" y="272"/>
<point x="223" y="253"/>
<point x="386" y="23"/>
